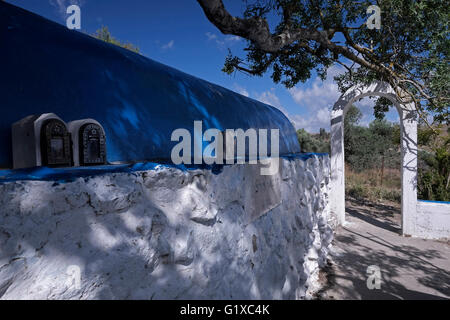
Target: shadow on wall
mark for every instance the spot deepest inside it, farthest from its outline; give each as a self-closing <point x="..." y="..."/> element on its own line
<point x="152" y="235"/>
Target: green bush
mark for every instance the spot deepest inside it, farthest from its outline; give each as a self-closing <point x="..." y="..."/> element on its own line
<point x="388" y="194"/>
<point x="361" y="191"/>
<point x="433" y="179"/>
<point x="434" y="173"/>
<point x="313" y="143"/>
<point x="372" y="155"/>
<point x="357" y="191"/>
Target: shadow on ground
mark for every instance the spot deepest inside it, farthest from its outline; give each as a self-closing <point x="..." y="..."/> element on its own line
<point x="410" y="268"/>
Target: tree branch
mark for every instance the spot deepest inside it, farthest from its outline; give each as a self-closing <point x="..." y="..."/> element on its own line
<point x="255" y="29"/>
<point x="318" y="43"/>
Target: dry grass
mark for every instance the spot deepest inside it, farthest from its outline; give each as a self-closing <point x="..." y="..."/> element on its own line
<point x="369" y="185"/>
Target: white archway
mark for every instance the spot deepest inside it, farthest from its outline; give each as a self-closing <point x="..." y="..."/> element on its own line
<point x="408" y="125"/>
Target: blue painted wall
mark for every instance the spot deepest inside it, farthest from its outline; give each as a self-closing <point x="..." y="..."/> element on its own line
<point x="44" y="67"/>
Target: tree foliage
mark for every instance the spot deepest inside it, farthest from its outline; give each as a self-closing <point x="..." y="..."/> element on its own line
<point x="294" y="38"/>
<point x="376" y="146"/>
<point x="313" y="143"/>
<point x="434" y="165"/>
<point x="105" y="35"/>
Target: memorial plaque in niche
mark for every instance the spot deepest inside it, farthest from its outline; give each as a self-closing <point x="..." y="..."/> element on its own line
<point x="55" y="144"/>
<point x="92" y="145"/>
<point x="262" y="192"/>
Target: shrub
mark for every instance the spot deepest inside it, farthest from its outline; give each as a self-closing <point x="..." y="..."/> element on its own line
<point x="313" y="143"/>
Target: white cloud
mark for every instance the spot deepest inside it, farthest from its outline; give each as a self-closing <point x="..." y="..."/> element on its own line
<point x="168" y="45"/>
<point x="222" y="42"/>
<point x="312" y="122"/>
<point x="62" y="5"/>
<point x="366" y="105"/>
<point x="323" y="115"/>
<point x="269" y="97"/>
<point x="321" y="93"/>
<point x="232" y="39"/>
<point x="211" y="36"/>
<point x="316" y="102"/>
<point x="240" y="90"/>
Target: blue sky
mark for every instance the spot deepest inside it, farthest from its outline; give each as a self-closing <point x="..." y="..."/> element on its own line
<point x="177" y="33"/>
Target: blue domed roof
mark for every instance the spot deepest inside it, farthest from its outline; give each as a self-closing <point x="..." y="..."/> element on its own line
<point x="44" y="67"/>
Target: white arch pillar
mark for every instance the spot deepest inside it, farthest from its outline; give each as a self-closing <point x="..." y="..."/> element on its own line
<point x="408" y="124"/>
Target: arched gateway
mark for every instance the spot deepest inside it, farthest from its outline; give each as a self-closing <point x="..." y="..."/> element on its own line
<point x="408" y="125"/>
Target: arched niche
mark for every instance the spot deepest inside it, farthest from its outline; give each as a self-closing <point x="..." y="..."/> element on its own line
<point x="408" y="124"/>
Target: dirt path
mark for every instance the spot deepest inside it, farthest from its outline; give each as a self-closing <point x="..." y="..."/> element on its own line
<point x="410" y="268"/>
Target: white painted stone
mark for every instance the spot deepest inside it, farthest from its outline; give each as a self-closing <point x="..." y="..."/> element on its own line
<point x="408" y="125"/>
<point x="167" y="233"/>
<point x="432" y="220"/>
<point x="419" y="219"/>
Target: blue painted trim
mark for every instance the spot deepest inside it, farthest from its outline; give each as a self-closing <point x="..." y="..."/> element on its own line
<point x="304" y="156"/>
<point x="62" y="175"/>
<point x="434" y="201"/>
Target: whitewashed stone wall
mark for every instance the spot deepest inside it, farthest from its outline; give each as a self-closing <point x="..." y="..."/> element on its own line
<point x="168" y="234"/>
<point x="432" y="220"/>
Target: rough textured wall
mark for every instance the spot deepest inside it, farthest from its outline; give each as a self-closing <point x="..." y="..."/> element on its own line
<point x="168" y="233"/>
<point x="432" y="220"/>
